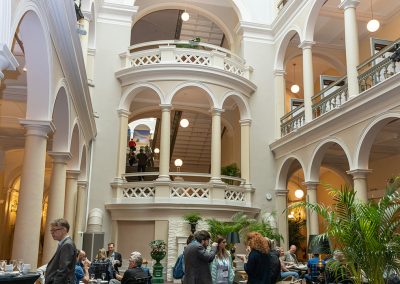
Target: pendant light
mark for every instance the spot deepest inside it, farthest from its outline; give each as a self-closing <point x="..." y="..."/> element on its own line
<point x="299" y="193"/>
<point x="373" y="25"/>
<point x="185" y="16"/>
<point x="294" y="88"/>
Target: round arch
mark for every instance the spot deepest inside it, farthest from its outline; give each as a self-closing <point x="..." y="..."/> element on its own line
<point x="83" y="163"/>
<point x="319" y="153"/>
<point x="367" y="139"/>
<point x="211" y="98"/>
<point x="29" y="20"/>
<point x="61" y="120"/>
<point x="73" y="163"/>
<point x="241" y="102"/>
<point x="282" y="46"/>
<point x="129" y="94"/>
<point x="312" y="20"/>
<point x="283" y="170"/>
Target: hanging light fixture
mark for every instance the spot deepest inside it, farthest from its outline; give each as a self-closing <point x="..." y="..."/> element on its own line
<point x="299" y="193"/>
<point x="185" y="16"/>
<point x="294" y="88"/>
<point x="184" y="123"/>
<point x="373" y="25"/>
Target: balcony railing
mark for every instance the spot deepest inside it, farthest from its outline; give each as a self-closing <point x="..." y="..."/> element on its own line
<point x="375" y="70"/>
<point x="378" y="68"/>
<point x="182" y="189"/>
<point x="184" y="52"/>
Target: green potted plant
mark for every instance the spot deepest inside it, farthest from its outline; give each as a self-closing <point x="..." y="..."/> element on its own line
<point x="192" y="218"/>
<point x="366" y="233"/>
<point x="231" y="170"/>
<point x="158" y="252"/>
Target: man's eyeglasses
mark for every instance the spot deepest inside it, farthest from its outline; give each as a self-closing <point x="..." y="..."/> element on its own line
<point x="54" y="230"/>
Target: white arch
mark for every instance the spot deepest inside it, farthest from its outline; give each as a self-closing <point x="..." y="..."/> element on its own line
<point x="283" y="170"/>
<point x="241" y="101"/>
<point x="367" y="138"/>
<point x="61" y="119"/>
<point x="194" y="84"/>
<point x="129" y="94"/>
<point x="283" y="44"/>
<point x="319" y="153"/>
<point x="312" y="20"/>
<point x="74" y="144"/>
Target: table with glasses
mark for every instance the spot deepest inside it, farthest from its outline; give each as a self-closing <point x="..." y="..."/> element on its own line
<point x="19" y="278"/>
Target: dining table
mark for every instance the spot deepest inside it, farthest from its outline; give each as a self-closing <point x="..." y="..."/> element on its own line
<point x="18" y="278"/>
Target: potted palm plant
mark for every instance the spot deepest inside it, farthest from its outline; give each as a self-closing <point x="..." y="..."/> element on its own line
<point x="366" y="233"/>
<point x="192" y="218"/>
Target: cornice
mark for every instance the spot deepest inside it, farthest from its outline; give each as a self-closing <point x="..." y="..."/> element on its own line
<point x="255" y="32"/>
<point x="117" y="14"/>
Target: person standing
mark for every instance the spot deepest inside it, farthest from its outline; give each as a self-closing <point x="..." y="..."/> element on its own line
<point x="115" y="257"/>
<point x="221" y="267"/>
<point x="142" y="161"/>
<point x="197" y="259"/>
<point x="132" y="145"/>
<point x="61" y="267"/>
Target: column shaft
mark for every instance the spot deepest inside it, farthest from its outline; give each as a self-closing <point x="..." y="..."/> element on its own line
<point x="281" y="215"/>
<point x="81" y="207"/>
<point x="352" y="47"/>
<point x="30" y="202"/>
<point x="360" y="185"/>
<point x="308" y="77"/>
<point x="71" y="188"/>
<point x="165" y="141"/>
<point x="312" y="218"/>
<point x="245" y="149"/>
<point x="123" y="128"/>
<point x="216" y="146"/>
<point x="279" y="79"/>
<point x="56" y="200"/>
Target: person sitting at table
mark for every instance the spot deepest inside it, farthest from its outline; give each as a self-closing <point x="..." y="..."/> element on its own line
<point x="135" y="273"/>
<point x="314" y="269"/>
<point x="290" y="255"/>
<point x="102" y="265"/>
<point x="285" y="272"/>
<point x="82" y="272"/>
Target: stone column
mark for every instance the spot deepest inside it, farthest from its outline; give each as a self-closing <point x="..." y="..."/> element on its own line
<point x="165" y="141"/>
<point x="308" y="75"/>
<point x="71" y="189"/>
<point x="312" y="217"/>
<point x="84" y="25"/>
<point x="30" y="202"/>
<point x="279" y="78"/>
<point x="245" y="149"/>
<point x="351" y="42"/>
<point x="56" y="200"/>
<point x="81" y="207"/>
<point x="360" y="183"/>
<point x="123" y="128"/>
<point x="216" y="146"/>
<point x="281" y="215"/>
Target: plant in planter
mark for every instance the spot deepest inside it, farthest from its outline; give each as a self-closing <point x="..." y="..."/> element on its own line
<point x="192" y="218"/>
<point x="231" y="170"/>
<point x="158" y="252"/>
<point x="366" y="233"/>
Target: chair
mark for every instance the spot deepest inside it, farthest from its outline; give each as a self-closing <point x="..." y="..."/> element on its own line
<point x="139" y="280"/>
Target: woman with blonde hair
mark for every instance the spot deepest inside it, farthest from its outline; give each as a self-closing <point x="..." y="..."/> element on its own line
<point x="101" y="267"/>
<point x="257" y="265"/>
<point x="221" y="267"/>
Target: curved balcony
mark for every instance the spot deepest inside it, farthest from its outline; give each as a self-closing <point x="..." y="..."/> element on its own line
<point x="185" y="58"/>
<point x="183" y="189"/>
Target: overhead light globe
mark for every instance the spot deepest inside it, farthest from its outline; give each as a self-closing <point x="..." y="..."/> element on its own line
<point x="295" y="88"/>
<point x="184" y="123"/>
<point x="299" y="193"/>
<point x="156" y="150"/>
<point x="185" y="16"/>
<point x="178" y="163"/>
<point x="373" y="25"/>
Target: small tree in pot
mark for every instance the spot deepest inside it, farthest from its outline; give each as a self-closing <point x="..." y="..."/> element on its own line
<point x="192" y="218"/>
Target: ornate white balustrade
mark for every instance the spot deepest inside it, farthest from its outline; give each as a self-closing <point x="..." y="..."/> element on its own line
<point x="184" y="52"/>
<point x="178" y="190"/>
<point x="292" y="120"/>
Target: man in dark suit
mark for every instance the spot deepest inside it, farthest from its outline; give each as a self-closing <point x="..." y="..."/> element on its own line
<point x="197" y="259"/>
<point x="114" y="256"/>
<point x="61" y="268"/>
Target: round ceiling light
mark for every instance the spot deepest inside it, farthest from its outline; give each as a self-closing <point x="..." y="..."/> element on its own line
<point x="178" y="163"/>
<point x="299" y="193"/>
<point x="373" y="25"/>
<point x="184" y="123"/>
<point x="185" y="16"/>
<point x="156" y="150"/>
<point x="295" y="88"/>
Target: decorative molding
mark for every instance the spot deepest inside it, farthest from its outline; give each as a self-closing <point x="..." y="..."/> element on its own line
<point x="345" y="4"/>
<point x="306" y="44"/>
<point x="255" y="32"/>
<point x="117" y="14"/>
<point x="15" y="93"/>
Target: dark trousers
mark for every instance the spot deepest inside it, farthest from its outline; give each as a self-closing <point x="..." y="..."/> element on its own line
<point x="141" y="168"/>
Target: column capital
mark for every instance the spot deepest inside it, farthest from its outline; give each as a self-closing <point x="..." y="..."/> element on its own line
<point x="345" y="4"/>
<point x="73" y="174"/>
<point x="82" y="184"/>
<point x="311" y="185"/>
<point x="165" y="107"/>
<point x="38" y="127"/>
<point x="359" y="173"/>
<point x="123" y="112"/>
<point x="306" y="44"/>
<point x="281" y="192"/>
<point x="7" y="60"/>
<point x="60" y="157"/>
<point x="279" y="72"/>
<point x="217" y="111"/>
<point x="245" y="122"/>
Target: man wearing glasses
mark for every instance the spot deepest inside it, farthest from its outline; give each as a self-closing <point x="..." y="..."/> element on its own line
<point x="61" y="268"/>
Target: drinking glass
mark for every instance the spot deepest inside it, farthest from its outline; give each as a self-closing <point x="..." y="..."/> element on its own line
<point x="103" y="275"/>
<point x="3" y="265"/>
<point x="14" y="263"/>
<point x="92" y="277"/>
<point x="20" y="265"/>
